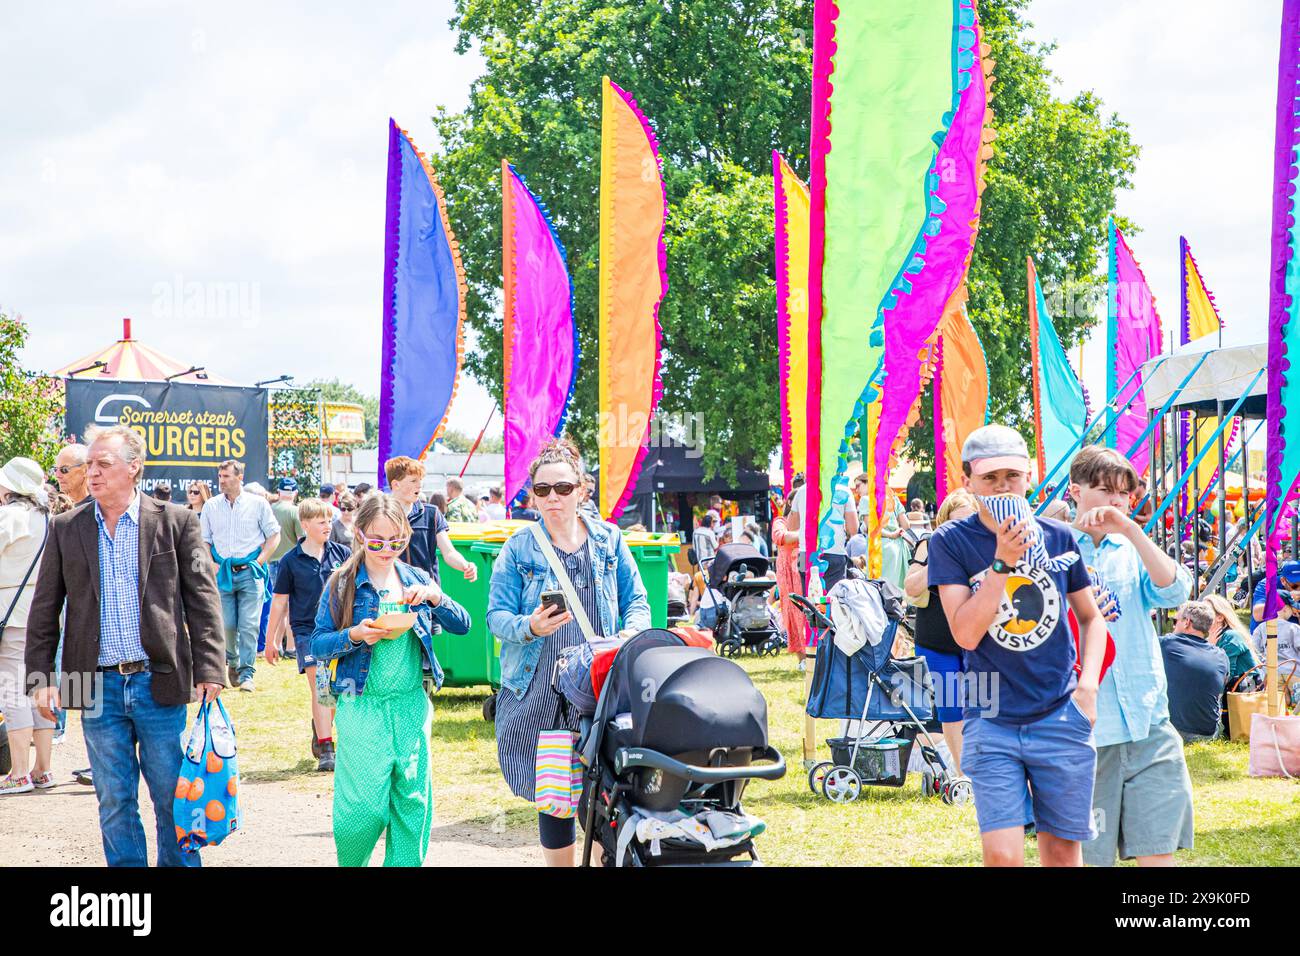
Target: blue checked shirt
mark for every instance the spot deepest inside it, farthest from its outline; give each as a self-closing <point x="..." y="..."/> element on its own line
<point x="239" y="527"/>
<point x="119" y="588"/>
<point x="1133" y="696"/>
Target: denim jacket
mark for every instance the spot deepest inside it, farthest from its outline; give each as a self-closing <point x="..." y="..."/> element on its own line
<point x="328" y="643"/>
<point x="521" y="574"/>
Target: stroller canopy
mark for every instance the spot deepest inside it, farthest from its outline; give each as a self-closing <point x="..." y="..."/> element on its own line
<point x="697" y="701"/>
<point x="734" y="557"/>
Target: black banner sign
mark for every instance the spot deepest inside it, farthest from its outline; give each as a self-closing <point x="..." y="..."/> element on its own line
<point x="188" y="429"/>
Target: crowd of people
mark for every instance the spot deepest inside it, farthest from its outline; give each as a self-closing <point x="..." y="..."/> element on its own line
<point x="1083" y="741"/>
<point x="129" y="607"/>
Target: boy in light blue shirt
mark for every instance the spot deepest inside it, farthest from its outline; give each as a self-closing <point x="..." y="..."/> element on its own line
<point x="1142" y="796"/>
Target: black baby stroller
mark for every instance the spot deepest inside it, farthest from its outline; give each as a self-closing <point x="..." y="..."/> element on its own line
<point x="668" y="753"/>
<point x="745" y="620"/>
<point x="888" y="699"/>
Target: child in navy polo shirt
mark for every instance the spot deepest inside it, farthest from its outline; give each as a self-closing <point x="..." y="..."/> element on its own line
<point x="1005" y="587"/>
<point x="298" y="584"/>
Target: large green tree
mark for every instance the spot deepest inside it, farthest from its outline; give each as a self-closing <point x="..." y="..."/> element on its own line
<point x="724" y="84"/>
<point x="31" y="405"/>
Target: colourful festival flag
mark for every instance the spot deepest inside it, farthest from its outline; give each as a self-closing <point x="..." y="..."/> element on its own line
<point x="424" y="307"/>
<point x="1283" y="447"/>
<point x="1132" y="339"/>
<point x="961" y="395"/>
<point x="887" y="79"/>
<point x="1200" y="318"/>
<point x="537" y="312"/>
<point x="791" y="196"/>
<point x="1060" y="411"/>
<point x="633" y="282"/>
<point x="941" y="251"/>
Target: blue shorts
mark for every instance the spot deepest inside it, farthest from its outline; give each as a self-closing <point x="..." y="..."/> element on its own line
<point x="947" y="690"/>
<point x="1055" y="756"/>
<point x="302" y="648"/>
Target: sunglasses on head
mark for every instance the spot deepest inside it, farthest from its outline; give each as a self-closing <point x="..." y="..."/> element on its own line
<point x="562" y="488"/>
<point x="377" y="545"/>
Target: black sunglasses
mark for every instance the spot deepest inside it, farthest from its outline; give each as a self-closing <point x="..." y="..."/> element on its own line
<point x="562" y="488"/>
<point x="64" y="469"/>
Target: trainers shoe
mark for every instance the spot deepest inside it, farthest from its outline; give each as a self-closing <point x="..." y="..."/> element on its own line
<point x="12" y="784"/>
<point x="43" y="781"/>
<point x="84" y="777"/>
<point x="326" y="762"/>
<point x="247" y="686"/>
<point x="232" y="675"/>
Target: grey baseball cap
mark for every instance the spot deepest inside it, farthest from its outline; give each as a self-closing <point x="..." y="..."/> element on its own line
<point x="992" y="447"/>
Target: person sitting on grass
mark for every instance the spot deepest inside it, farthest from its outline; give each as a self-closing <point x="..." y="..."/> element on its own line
<point x="1288" y="588"/>
<point x="1196" y="670"/>
<point x="1288" y="655"/>
<point x="298" y="584"/>
<point x="1231" y="636"/>
<point x="1031" y="727"/>
<point x="382" y="683"/>
<point x="1142" y="796"/>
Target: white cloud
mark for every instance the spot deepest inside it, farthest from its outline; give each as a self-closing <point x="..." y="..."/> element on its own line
<point x="150" y="145"/>
<point x="1197" y="83"/>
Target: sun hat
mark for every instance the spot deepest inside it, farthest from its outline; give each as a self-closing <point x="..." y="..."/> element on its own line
<point x="992" y="447"/>
<point x="22" y="476"/>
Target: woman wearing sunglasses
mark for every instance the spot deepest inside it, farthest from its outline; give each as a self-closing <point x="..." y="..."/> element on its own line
<point x="341" y="529"/>
<point x="607" y="584"/>
<point x="197" y="495"/>
<point x="380" y="680"/>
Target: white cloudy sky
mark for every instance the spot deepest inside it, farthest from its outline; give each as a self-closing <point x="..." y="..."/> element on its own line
<point x="149" y="145"/>
<point x="1197" y="82"/>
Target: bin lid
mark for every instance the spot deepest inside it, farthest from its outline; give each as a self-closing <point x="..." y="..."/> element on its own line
<point x="483" y="531"/>
<point x="649" y="539"/>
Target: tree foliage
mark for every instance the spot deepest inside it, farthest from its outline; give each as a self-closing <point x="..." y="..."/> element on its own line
<point x="31" y="405"/>
<point x="333" y="390"/>
<point x="724" y="84"/>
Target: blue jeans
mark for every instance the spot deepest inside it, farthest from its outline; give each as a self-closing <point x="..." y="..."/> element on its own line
<point x="272" y="568"/>
<point x="241" y="610"/>
<point x="127" y="733"/>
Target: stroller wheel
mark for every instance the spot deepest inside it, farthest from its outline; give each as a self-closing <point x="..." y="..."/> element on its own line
<point x="842" y="785"/>
<point x="959" y="792"/>
<point x="818" y="774"/>
<point x="730" y="647"/>
<point x="928" y="789"/>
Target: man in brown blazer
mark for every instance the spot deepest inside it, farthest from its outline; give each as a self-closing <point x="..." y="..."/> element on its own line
<point x="143" y="634"/>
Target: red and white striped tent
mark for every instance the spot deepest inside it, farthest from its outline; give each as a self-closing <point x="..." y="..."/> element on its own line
<point x="131" y="360"/>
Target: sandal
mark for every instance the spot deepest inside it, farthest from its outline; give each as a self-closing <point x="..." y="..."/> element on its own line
<point x="12" y="784"/>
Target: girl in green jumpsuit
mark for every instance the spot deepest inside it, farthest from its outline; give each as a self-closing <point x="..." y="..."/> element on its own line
<point x="380" y="677"/>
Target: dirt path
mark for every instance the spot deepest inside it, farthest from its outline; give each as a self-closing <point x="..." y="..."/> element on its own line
<point x="287" y="824"/>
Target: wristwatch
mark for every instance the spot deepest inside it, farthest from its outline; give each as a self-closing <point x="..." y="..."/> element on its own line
<point x="1000" y="567"/>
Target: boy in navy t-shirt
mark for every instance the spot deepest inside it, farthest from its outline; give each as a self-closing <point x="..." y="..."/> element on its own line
<point x="1006" y="587"/>
<point x="298" y="584"/>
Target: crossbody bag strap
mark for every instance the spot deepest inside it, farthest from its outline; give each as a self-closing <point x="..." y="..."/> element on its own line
<point x="26" y="577"/>
<point x="562" y="577"/>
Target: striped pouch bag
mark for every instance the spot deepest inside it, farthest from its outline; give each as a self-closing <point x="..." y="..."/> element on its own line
<point x="557" y="785"/>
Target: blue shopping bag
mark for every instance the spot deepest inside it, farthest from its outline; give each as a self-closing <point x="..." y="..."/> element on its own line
<point x="206" y="809"/>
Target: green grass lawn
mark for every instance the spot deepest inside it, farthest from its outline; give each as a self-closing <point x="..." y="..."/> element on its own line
<point x="1240" y="821"/>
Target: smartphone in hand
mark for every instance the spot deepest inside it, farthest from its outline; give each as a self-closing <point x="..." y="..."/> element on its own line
<point x="554" y="599"/>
